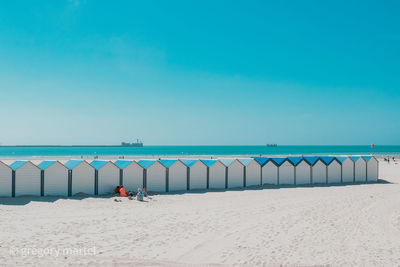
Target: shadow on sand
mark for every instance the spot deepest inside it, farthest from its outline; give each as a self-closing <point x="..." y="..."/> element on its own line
<point x="274" y="187"/>
<point x="23" y="200"/>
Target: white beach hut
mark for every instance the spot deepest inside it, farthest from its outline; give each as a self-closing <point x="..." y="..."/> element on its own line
<point x="334" y="170"/>
<point x="360" y="169"/>
<point x="81" y="177"/>
<point x="54" y="177"/>
<point x="235" y="174"/>
<point x="277" y="162"/>
<point x="107" y="175"/>
<point x="197" y="174"/>
<point x="372" y="168"/>
<point x="262" y="161"/>
<point x="269" y="172"/>
<point x="5" y="180"/>
<point x="302" y="170"/>
<point x="318" y="170"/>
<point x="347" y="169"/>
<point x="216" y="174"/>
<point x="131" y="174"/>
<point x="253" y="172"/>
<point x="286" y="172"/>
<point x="156" y="175"/>
<point x="27" y="178"/>
<point x="176" y="174"/>
<point x="245" y="162"/>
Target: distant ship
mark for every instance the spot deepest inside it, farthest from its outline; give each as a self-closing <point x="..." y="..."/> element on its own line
<point x="138" y="143"/>
<point x="272" y="145"/>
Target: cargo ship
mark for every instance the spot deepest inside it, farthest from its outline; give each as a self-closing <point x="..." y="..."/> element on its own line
<point x="138" y="143"/>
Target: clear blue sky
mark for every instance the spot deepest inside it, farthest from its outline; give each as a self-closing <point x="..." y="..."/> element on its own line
<point x="196" y="73"/>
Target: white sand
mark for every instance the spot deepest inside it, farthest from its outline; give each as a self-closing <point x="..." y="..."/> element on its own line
<point x="333" y="225"/>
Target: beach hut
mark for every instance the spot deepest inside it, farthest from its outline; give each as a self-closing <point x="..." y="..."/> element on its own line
<point x="167" y="163"/>
<point x="302" y="171"/>
<point x="262" y="161"/>
<point x="334" y="170"/>
<point x="27" y="178"/>
<point x="347" y="169"/>
<point x="107" y="175"/>
<point x="318" y="170"/>
<point x="197" y="174"/>
<point x="226" y="163"/>
<point x="156" y="175"/>
<point x="372" y="169"/>
<point x="253" y="172"/>
<point x="81" y="177"/>
<point x="286" y="172"/>
<point x="145" y="163"/>
<point x="245" y="162"/>
<point x="269" y="172"/>
<point x="5" y="180"/>
<point x="176" y="174"/>
<point x="216" y="174"/>
<point x="277" y="162"/>
<point x="131" y="174"/>
<point x="54" y="177"/>
<point x="208" y="163"/>
<point x="360" y="169"/>
<point x="235" y="173"/>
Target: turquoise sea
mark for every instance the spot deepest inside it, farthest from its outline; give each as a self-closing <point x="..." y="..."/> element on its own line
<point x="66" y="151"/>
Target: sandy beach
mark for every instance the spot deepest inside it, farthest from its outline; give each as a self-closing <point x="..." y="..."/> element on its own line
<point x="343" y="225"/>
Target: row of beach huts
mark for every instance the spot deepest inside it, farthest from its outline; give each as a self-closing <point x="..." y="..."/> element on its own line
<point x="99" y="177"/>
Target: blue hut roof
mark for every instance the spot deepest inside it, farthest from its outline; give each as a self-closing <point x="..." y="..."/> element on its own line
<point x="295" y="160"/>
<point x="311" y="160"/>
<point x="188" y="162"/>
<point x="261" y="160"/>
<point x="366" y="158"/>
<point x="354" y="158"/>
<point x="245" y="162"/>
<point x="167" y="162"/>
<point x="145" y="163"/>
<point x="227" y="162"/>
<point x="45" y="164"/>
<point x="122" y="164"/>
<point x="341" y="159"/>
<point x="327" y="160"/>
<point x="208" y="162"/>
<point x="70" y="164"/>
<point x="98" y="164"/>
<point x="17" y="164"/>
<point x="278" y="161"/>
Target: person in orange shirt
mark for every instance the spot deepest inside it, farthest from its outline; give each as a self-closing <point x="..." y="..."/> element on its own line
<point x="122" y="192"/>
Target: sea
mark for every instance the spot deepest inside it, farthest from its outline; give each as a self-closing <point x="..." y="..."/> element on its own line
<point x="189" y="151"/>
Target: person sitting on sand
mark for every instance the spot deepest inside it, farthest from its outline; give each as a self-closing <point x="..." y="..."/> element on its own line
<point x="116" y="190"/>
<point x="139" y="195"/>
<point x="144" y="192"/>
<point x="122" y="192"/>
